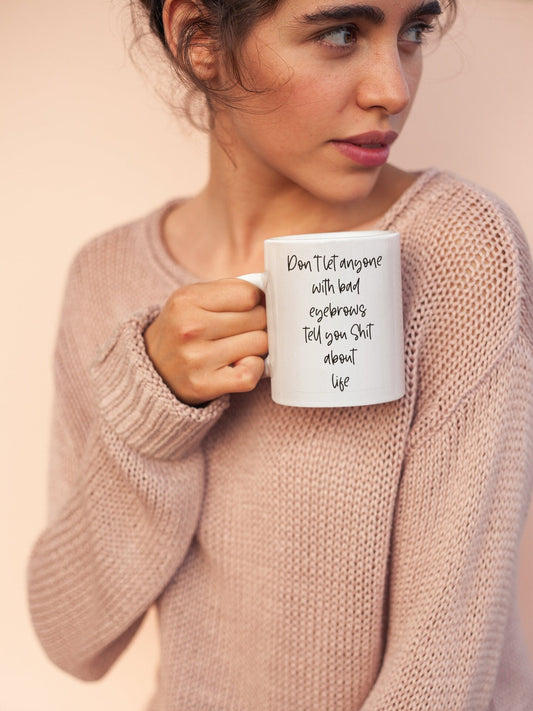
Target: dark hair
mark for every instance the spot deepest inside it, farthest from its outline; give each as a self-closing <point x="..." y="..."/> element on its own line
<point x="224" y="25"/>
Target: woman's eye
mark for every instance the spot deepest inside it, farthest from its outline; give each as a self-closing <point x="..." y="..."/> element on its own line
<point x="417" y="33"/>
<point x="339" y="37"/>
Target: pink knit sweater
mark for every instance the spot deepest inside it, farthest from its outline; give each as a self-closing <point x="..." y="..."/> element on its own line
<point x="301" y="559"/>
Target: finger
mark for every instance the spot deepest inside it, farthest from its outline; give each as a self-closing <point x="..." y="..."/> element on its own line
<point x="228" y="351"/>
<point x="226" y="324"/>
<point x="208" y="326"/>
<point x="242" y="377"/>
<point x="234" y="295"/>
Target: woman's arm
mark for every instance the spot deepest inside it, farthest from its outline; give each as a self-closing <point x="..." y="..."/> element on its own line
<point x="127" y="477"/>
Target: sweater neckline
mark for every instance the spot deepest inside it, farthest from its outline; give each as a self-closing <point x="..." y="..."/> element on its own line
<point x="166" y="263"/>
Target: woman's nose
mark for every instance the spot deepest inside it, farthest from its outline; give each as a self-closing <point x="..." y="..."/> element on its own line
<point x="384" y="84"/>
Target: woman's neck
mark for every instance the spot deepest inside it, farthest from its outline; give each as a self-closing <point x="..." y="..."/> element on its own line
<point x="221" y="231"/>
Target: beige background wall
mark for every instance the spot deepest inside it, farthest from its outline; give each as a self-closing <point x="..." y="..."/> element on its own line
<point x="85" y="145"/>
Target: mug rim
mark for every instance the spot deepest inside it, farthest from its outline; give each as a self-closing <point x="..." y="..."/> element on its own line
<point x="331" y="236"/>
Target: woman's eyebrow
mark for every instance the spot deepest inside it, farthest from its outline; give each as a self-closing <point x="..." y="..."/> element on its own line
<point x="425" y="8"/>
<point x="373" y="14"/>
<point x="345" y="12"/>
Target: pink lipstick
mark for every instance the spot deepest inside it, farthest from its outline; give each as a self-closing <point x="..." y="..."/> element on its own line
<point x="369" y="149"/>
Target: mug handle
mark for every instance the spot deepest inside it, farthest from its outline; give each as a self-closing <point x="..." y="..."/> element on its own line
<point x="259" y="279"/>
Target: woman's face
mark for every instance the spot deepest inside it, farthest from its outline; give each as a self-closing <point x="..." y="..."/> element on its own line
<point x="334" y="82"/>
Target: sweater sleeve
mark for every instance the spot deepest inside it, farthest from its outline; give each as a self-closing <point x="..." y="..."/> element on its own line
<point x="460" y="512"/>
<point x="126" y="486"/>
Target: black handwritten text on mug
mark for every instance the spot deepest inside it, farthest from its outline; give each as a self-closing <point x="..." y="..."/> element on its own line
<point x="327" y="287"/>
<point x="340" y="382"/>
<point x="331" y="310"/>
<point x="332" y="262"/>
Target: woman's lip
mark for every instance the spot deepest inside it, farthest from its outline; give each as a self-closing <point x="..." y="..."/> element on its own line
<point x="368" y="155"/>
<point x="372" y="138"/>
<point x="369" y="149"/>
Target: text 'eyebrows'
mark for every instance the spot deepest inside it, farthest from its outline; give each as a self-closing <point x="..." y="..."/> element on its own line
<point x="373" y="14"/>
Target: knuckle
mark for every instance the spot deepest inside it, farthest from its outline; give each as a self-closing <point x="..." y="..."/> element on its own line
<point x="174" y="300"/>
<point x="185" y="293"/>
<point x="261" y="338"/>
<point x="190" y="361"/>
<point x="249" y="301"/>
<point x="247" y="379"/>
<point x="250" y="296"/>
<point x="181" y="299"/>
<point x="188" y="330"/>
<point x="197" y="383"/>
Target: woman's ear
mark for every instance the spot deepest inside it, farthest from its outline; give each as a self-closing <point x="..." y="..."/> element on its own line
<point x="201" y="50"/>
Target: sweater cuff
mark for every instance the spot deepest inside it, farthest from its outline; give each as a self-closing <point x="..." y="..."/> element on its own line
<point x="136" y="403"/>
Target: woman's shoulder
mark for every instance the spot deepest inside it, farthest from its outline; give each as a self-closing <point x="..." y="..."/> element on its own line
<point x="116" y="274"/>
<point x="468" y="282"/>
<point x="121" y="244"/>
<point x="454" y="210"/>
<point x="464" y="235"/>
<point x="127" y="255"/>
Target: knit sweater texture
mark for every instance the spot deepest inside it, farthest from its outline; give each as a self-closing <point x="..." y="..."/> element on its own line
<point x="300" y="559"/>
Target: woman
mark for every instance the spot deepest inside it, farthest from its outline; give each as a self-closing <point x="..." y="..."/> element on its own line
<point x="358" y="558"/>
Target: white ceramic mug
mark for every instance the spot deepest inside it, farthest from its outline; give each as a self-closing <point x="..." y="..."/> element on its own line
<point x="334" y="318"/>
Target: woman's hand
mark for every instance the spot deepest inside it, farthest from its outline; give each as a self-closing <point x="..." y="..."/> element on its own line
<point x="208" y="340"/>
